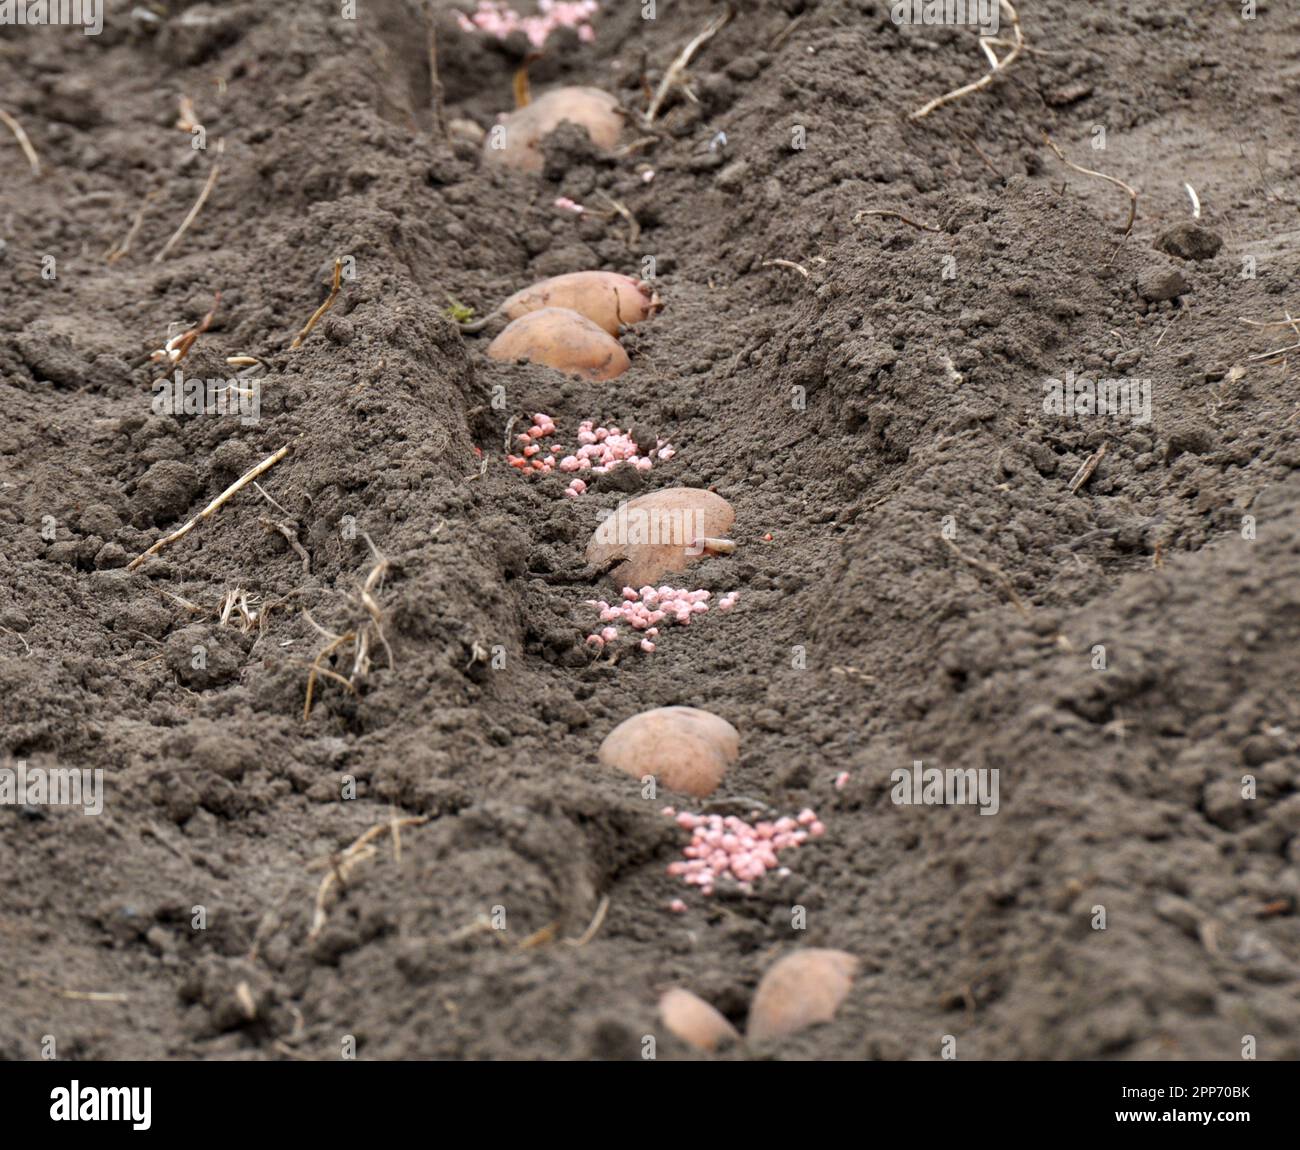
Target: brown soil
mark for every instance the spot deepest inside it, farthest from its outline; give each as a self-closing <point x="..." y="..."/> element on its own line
<point x="862" y="640"/>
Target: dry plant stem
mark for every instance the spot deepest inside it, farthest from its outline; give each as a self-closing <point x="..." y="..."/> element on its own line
<point x="373" y="580"/>
<point x="278" y="506"/>
<point x="596" y="920"/>
<point x="198" y="205"/>
<point x="794" y="267"/>
<point x="1270" y="324"/>
<point x="320" y="311"/>
<point x="244" y="996"/>
<point x="1275" y="352"/>
<point x="186" y="119"/>
<point x="985" y="160"/>
<point x="522" y="93"/>
<point x="190" y="606"/>
<point x="123" y="247"/>
<point x="1132" y="192"/>
<point x="997" y="66"/>
<point x="480" y="925"/>
<point x="17" y="636"/>
<point x="992" y="572"/>
<point x="895" y="216"/>
<point x="317" y="670"/>
<point x="1288" y="322"/>
<point x="23" y="142"/>
<point x="395" y="825"/>
<point x="636" y="145"/>
<point x="1086" y="469"/>
<point x="786" y="32"/>
<point x="341" y="865"/>
<point x="680" y="64"/>
<point x="360" y="636"/>
<point x="211" y="509"/>
<point x="188" y="340"/>
<point x="540" y="937"/>
<point x="237" y="600"/>
<point x="634" y="228"/>
<point x="290" y="537"/>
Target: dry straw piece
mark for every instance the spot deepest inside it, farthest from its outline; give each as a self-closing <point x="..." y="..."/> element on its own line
<point x="1289" y="322"/>
<point x="120" y="249"/>
<point x="341" y="865"/>
<point x="320" y="311"/>
<point x="16" y="128"/>
<point x="1132" y="192"/>
<point x="1086" y="469"/>
<point x="362" y="636"/>
<point x="213" y="507"/>
<point x="682" y="61"/>
<point x="992" y="572"/>
<point x="794" y="267"/>
<point x="997" y="67"/>
<point x="198" y="205"/>
<point x="892" y="215"/>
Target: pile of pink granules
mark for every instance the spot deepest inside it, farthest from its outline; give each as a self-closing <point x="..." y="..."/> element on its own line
<point x="643" y="610"/>
<point x="601" y="449"/>
<point x="727" y="846"/>
<point x="500" y="20"/>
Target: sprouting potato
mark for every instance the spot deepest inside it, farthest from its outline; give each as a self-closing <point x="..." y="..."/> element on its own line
<point x="516" y="142"/>
<point x="694" y="1021"/>
<point x="564" y="340"/>
<point x="800" y="990"/>
<point x="684" y="748"/>
<point x="660" y="533"/>
<point x="606" y="298"/>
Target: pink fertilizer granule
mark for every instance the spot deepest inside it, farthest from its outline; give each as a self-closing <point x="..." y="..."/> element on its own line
<point x="498" y="19"/>
<point x="727" y="847"/>
<point x="600" y="449"/>
<point x="646" y="609"/>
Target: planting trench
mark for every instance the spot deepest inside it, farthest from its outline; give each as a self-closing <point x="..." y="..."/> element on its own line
<point x="877" y="426"/>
